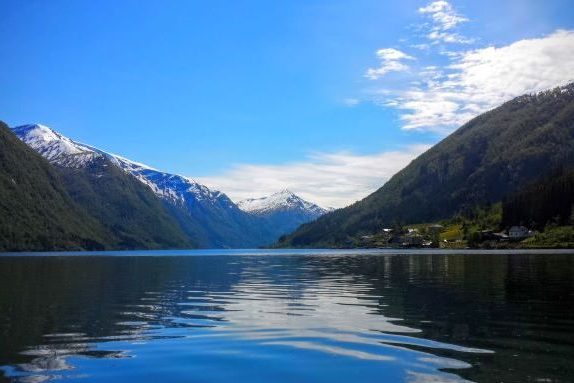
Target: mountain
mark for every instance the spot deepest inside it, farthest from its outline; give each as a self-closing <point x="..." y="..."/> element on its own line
<point x="135" y="216"/>
<point x="492" y="156"/>
<point x="284" y="211"/>
<point x="54" y="147"/>
<point x="283" y="201"/>
<point x="36" y="212"/>
<point x="207" y="218"/>
<point x="131" y="214"/>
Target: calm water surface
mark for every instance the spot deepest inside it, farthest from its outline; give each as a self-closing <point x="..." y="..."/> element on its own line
<point x="314" y="316"/>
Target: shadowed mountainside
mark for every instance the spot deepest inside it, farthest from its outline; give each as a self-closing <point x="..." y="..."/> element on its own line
<point x="490" y="157"/>
<point x="49" y="207"/>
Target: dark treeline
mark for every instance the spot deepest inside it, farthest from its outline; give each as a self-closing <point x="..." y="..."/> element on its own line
<point x="549" y="200"/>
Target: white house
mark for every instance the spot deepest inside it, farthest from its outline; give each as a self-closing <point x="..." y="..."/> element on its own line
<point x="518" y="232"/>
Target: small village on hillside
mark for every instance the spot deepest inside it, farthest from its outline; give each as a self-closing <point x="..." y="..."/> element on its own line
<point x="455" y="236"/>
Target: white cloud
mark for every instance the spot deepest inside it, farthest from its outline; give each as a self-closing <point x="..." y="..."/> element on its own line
<point x="422" y="47"/>
<point x="480" y="79"/>
<point x="329" y="179"/>
<point x="351" y="101"/>
<point x="391" y="54"/>
<point x="444" y="19"/>
<point x="391" y="61"/>
<point x="443" y="14"/>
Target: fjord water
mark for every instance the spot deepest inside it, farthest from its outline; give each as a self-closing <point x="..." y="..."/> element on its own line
<point x="314" y="316"/>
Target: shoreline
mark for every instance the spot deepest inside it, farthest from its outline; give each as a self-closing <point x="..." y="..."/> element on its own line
<point x="284" y="252"/>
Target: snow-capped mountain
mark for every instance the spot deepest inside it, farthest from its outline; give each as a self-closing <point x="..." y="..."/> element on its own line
<point x="208" y="217"/>
<point x="175" y="188"/>
<point x="63" y="151"/>
<point x="281" y="201"/>
<point x="283" y="211"/>
<point x="54" y="147"/>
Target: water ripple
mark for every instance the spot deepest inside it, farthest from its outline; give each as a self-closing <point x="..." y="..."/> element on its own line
<point x="293" y="318"/>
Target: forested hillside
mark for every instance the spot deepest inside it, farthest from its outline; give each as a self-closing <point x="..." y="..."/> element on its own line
<point x="46" y="207"/>
<point x="134" y="216"/>
<point x="549" y="200"/>
<point x="490" y="157"/>
<point x="36" y="212"/>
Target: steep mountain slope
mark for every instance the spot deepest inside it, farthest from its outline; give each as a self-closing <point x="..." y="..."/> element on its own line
<point x="54" y="147"/>
<point x="491" y="156"/>
<point x="36" y="212"/>
<point x="284" y="211"/>
<point x="135" y="216"/>
<point x="208" y="217"/>
<point x="132" y="215"/>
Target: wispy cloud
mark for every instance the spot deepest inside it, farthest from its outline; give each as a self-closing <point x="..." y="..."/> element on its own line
<point x="351" y="101"/>
<point x="329" y="179"/>
<point x="444" y="20"/>
<point x="446" y="88"/>
<point x="477" y="80"/>
<point x="391" y="60"/>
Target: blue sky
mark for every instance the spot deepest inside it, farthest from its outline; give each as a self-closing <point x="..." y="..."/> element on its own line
<point x="327" y="98"/>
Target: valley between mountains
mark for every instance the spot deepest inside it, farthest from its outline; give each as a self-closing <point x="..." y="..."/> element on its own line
<point x="510" y="167"/>
<point x="126" y="204"/>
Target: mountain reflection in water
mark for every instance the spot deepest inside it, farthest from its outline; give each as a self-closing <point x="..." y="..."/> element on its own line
<point x="288" y="318"/>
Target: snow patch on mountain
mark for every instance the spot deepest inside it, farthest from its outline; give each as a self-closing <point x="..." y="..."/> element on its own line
<point x="54" y="147"/>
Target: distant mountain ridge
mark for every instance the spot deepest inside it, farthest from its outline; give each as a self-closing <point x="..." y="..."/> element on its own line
<point x="280" y="201"/>
<point x="284" y="211"/>
<point x="490" y="157"/>
<point x="209" y="218"/>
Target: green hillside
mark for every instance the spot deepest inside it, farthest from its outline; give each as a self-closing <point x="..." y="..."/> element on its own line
<point x="45" y="207"/>
<point x="492" y="156"/>
<point x="135" y="217"/>
<point x="36" y="212"/>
